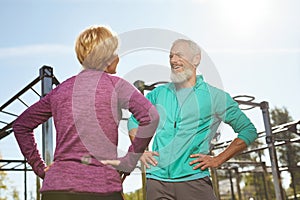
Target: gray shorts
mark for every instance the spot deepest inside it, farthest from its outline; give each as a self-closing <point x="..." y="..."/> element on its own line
<point x="187" y="190"/>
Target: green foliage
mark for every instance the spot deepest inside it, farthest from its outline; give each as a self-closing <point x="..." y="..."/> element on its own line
<point x="259" y="185"/>
<point x="286" y="153"/>
<point x="3" y="186"/>
<point x="280" y="116"/>
<point x="4" y="189"/>
<point x="136" y="195"/>
<point x="15" y="194"/>
<point x="3" y="177"/>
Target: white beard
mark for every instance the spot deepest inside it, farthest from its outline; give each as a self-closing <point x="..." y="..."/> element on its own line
<point x="181" y="77"/>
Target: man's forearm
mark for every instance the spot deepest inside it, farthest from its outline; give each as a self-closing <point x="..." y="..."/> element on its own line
<point x="236" y="146"/>
<point x="132" y="134"/>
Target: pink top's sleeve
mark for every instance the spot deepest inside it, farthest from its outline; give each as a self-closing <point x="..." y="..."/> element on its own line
<point x="148" y="118"/>
<point x="23" y="128"/>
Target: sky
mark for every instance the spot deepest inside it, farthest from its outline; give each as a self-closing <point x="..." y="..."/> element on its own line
<point x="251" y="47"/>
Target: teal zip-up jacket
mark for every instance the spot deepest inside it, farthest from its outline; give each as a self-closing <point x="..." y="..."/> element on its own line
<point x="189" y="120"/>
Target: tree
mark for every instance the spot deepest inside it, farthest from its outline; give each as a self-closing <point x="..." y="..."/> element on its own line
<point x="257" y="182"/>
<point x="15" y="194"/>
<point x="280" y="116"/>
<point x="5" y="191"/>
<point x="3" y="186"/>
<point x="136" y="195"/>
<point x="286" y="153"/>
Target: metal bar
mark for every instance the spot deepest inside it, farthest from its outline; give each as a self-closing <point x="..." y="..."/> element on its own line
<point x="254" y="150"/>
<point x="25" y="180"/>
<point x="238" y="180"/>
<point x="12" y="161"/>
<point x="15" y="170"/>
<point x="248" y="103"/>
<point x="3" y="122"/>
<point x="5" y="112"/>
<point x="46" y="76"/>
<point x="272" y="151"/>
<point x="275" y="130"/>
<point x="20" y="93"/>
<point x="48" y="80"/>
<point x="55" y="81"/>
<point x="215" y="181"/>
<point x="231" y="184"/>
<point x="244" y="162"/>
<point x="17" y="166"/>
<point x="5" y="132"/>
<point x="264" y="106"/>
<point x="35" y="92"/>
<point x="4" y="165"/>
<point x="281" y="143"/>
<point x="23" y="102"/>
<point x="143" y="173"/>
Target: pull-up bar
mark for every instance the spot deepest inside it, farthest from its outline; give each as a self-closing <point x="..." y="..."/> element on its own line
<point x="264" y="106"/>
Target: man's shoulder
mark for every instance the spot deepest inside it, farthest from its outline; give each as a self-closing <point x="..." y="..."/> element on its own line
<point x="160" y="92"/>
<point x="167" y="87"/>
<point x="209" y="88"/>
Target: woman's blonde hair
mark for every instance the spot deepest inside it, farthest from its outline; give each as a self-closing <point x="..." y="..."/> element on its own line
<point x="95" y="47"/>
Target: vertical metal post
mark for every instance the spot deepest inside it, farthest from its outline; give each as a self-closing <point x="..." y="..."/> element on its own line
<point x="238" y="179"/>
<point x="143" y="181"/>
<point x="38" y="186"/>
<point x="231" y="184"/>
<point x="291" y="170"/>
<point x="265" y="181"/>
<point x="46" y="74"/>
<point x="272" y="151"/>
<point x="255" y="185"/>
<point x="140" y="85"/>
<point x="215" y="181"/>
<point x="25" y="180"/>
<point x="264" y="176"/>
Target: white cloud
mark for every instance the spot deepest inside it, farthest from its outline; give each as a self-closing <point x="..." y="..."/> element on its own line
<point x="33" y="50"/>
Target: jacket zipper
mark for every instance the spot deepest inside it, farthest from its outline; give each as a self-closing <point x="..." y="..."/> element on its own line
<point x="176" y="118"/>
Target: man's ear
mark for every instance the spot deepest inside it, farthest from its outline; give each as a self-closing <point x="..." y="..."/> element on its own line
<point x="196" y="59"/>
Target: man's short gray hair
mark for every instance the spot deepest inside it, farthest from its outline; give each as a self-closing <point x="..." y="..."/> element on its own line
<point x="193" y="45"/>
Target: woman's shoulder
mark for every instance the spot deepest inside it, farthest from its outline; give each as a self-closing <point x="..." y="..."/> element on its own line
<point x="65" y="84"/>
<point x="117" y="81"/>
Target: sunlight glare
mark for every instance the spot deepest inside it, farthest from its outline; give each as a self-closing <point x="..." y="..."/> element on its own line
<point x="242" y="18"/>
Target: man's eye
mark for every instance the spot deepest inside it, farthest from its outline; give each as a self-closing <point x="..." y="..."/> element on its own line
<point x="180" y="55"/>
<point x="171" y="56"/>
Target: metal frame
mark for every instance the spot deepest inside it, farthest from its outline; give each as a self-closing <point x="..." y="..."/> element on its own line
<point x="291" y="126"/>
<point x="264" y="106"/>
<point x="47" y="80"/>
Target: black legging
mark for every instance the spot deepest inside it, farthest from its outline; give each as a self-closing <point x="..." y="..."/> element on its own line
<point x="80" y="196"/>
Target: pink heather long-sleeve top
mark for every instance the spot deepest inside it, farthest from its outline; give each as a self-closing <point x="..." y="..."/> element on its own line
<point x="86" y="110"/>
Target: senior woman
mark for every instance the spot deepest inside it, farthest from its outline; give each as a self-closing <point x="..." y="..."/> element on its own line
<point x="86" y="110"/>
